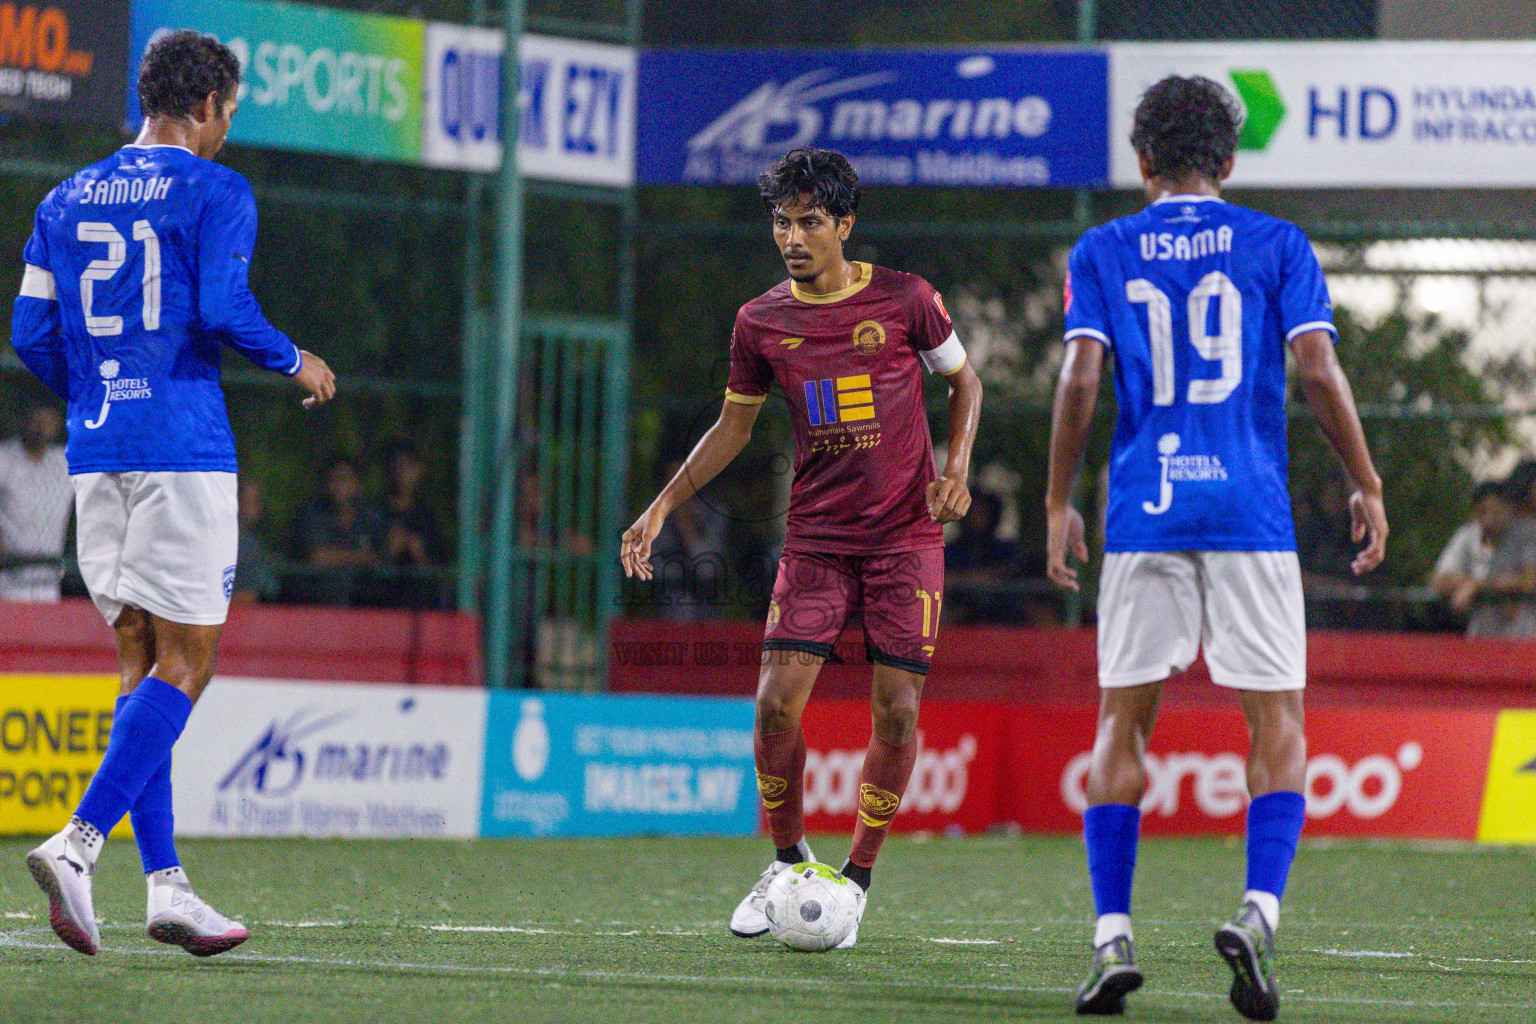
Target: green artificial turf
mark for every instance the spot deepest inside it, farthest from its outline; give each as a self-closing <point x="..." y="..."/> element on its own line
<point x="982" y="929"/>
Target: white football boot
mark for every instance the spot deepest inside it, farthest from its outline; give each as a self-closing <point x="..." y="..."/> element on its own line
<point x="853" y="936"/>
<point x="63" y="867"/>
<point x="177" y="916"/>
<point x="749" y="921"/>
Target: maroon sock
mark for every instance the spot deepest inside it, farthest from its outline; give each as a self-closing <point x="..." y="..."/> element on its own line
<point x="887" y="767"/>
<point x="781" y="782"/>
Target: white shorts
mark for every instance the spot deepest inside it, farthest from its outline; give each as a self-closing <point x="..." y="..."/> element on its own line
<point x="164" y="542"/>
<point x="1158" y="608"/>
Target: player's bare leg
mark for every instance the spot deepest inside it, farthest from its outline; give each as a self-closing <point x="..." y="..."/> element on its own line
<point x="1277" y="765"/>
<point x="1117" y="780"/>
<point x="894" y="698"/>
<point x="784" y="684"/>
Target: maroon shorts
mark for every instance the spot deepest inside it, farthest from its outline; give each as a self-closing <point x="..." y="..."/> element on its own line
<point x="899" y="595"/>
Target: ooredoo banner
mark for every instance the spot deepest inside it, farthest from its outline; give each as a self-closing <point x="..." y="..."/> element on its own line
<point x="1373" y="772"/>
<point x="954" y="782"/>
<point x="64" y="60"/>
<point x="574" y="765"/>
<point x="262" y="758"/>
<point x="53" y="733"/>
<point x="1328" y="115"/>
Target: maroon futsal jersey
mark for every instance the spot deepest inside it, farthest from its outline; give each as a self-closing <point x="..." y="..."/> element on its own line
<point x="851" y="372"/>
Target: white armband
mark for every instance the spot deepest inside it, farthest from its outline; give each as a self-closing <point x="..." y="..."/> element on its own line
<point x="945" y="359"/>
<point x="37" y="283"/>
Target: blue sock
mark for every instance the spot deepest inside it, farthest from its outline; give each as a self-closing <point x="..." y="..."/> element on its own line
<point x="154" y="823"/>
<point x="1111" y="831"/>
<point x="143" y="733"/>
<point x="1274" y="826"/>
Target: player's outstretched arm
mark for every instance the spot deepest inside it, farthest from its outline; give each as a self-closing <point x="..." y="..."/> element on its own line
<point x="949" y="497"/>
<point x="1333" y="401"/>
<point x="1077" y="396"/>
<point x="720" y="444"/>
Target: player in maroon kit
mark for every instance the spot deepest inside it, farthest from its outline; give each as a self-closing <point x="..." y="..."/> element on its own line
<point x="848" y="343"/>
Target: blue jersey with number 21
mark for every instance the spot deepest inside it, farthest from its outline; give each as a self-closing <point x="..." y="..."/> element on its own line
<point x="1197" y="300"/>
<point x="135" y="278"/>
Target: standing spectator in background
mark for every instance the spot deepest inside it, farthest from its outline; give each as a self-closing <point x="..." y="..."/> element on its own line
<point x="1522" y="488"/>
<point x="1489" y="567"/>
<point x="413" y="535"/>
<point x="255" y="569"/>
<point x="35" y="499"/>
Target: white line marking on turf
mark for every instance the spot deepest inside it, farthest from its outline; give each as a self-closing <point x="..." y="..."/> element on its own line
<point x="967" y="942"/>
<point x="16" y="940"/>
<point x="1362" y="952"/>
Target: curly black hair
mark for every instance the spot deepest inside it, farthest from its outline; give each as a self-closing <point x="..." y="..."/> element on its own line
<point x="1187" y="126"/>
<point x="181" y="69"/>
<point x="823" y="174"/>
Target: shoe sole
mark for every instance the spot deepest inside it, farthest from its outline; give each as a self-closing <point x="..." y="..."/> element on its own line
<point x="748" y="935"/>
<point x="64" y="926"/>
<point x="173" y="934"/>
<point x="1109" y="1000"/>
<point x="1247" y="982"/>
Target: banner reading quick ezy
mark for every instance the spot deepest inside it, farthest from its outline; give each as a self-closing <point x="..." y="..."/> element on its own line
<point x="943" y="118"/>
<point x="566" y="765"/>
<point x="311" y="79"/>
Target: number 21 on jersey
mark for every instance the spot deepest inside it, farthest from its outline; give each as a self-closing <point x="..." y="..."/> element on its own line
<point x="1224" y="347"/>
<point x="105" y="270"/>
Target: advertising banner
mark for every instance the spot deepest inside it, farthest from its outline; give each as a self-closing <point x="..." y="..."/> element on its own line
<point x="952" y="118"/>
<point x="53" y="733"/>
<point x="570" y="765"/>
<point x="262" y="758"/>
<point x="1509" y="800"/>
<point x="1370" y="772"/>
<point x="312" y="78"/>
<point x="954" y="783"/>
<point x="1366" y="115"/>
<point x="64" y="60"/>
<point x="577" y="110"/>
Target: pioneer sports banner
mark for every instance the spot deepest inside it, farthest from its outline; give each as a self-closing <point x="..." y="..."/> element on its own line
<point x="1370" y="772"/>
<point x="955" y="117"/>
<point x="955" y="781"/>
<point x="573" y="765"/>
<point x="64" y="60"/>
<point x="53" y="733"/>
<point x="1372" y="115"/>
<point x="263" y="758"/>
<point x="312" y="78"/>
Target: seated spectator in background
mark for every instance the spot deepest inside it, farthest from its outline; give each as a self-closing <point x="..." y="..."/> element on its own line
<point x="341" y="529"/>
<point x="976" y="553"/>
<point x="413" y="536"/>
<point x="35" y="499"/>
<point x="255" y="568"/>
<point x="692" y="567"/>
<point x="1489" y="567"/>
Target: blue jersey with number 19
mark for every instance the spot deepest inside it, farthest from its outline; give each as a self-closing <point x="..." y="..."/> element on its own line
<point x="136" y="274"/>
<point x="1196" y="300"/>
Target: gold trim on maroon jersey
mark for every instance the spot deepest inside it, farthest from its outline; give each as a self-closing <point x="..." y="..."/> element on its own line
<point x="866" y="275"/>
<point x="740" y="399"/>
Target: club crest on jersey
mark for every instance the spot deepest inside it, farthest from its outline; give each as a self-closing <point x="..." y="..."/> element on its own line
<point x="1181" y="469"/>
<point x="869" y="337"/>
<point x="119" y="389"/>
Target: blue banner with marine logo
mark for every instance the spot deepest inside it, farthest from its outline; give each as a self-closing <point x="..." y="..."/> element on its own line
<point x="568" y="765"/>
<point x="997" y="117"/>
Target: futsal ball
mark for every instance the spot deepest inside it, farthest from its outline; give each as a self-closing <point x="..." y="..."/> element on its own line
<point x="811" y="907"/>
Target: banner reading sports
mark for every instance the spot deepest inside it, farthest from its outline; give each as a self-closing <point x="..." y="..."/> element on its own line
<point x="951" y="118"/>
<point x="312" y="79"/>
<point x="562" y="764"/>
<point x="1354" y="114"/>
<point x="64" y="60"/>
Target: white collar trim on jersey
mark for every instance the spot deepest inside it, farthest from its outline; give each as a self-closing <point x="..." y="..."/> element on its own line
<point x="158" y="145"/>
<point x="1188" y="199"/>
